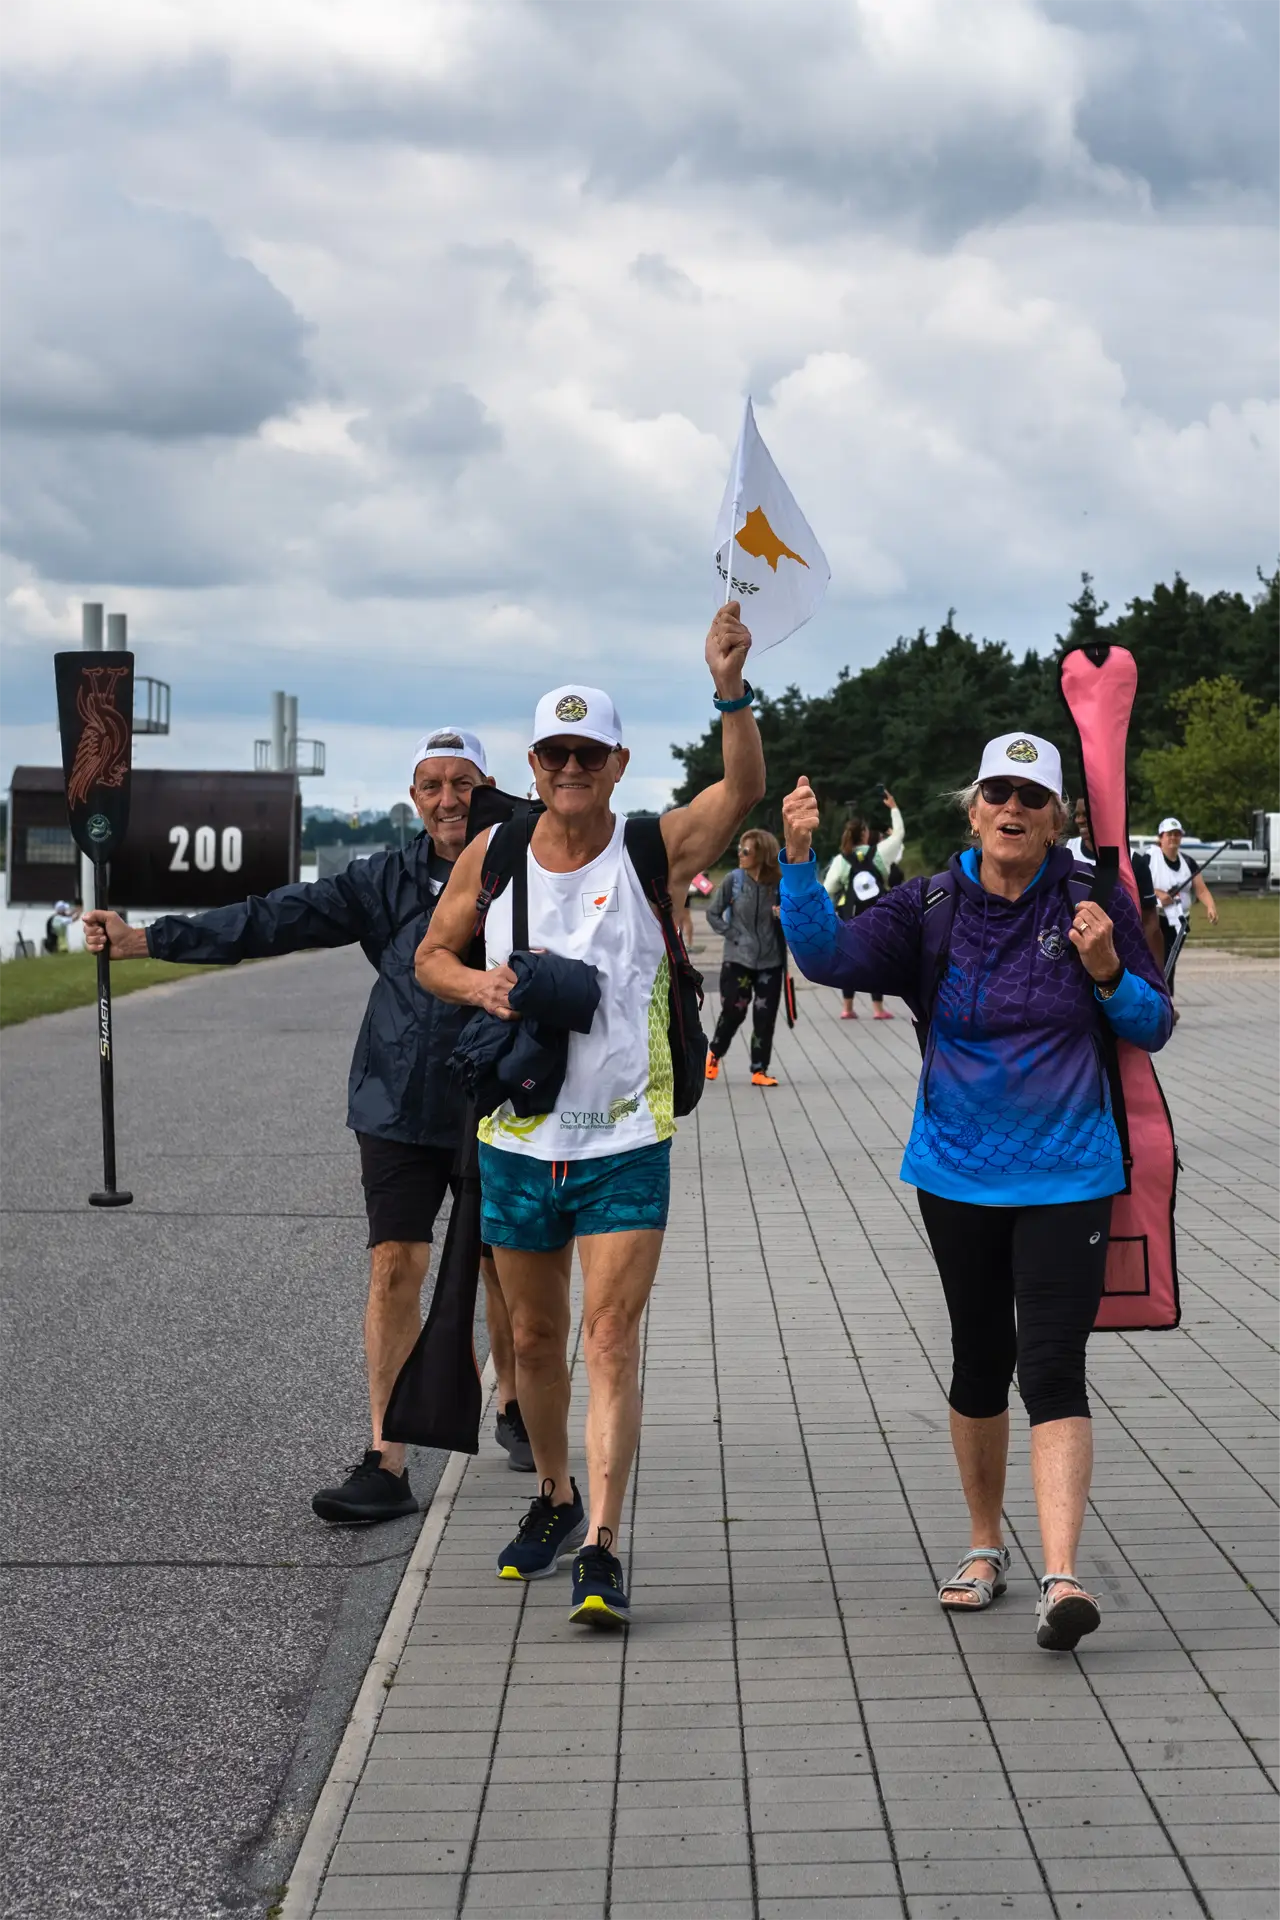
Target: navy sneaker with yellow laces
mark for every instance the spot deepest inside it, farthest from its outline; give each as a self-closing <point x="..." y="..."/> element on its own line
<point x="547" y="1535"/>
<point x="599" y="1591"/>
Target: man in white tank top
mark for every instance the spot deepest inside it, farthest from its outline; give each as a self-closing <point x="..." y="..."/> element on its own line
<point x="597" y="1169"/>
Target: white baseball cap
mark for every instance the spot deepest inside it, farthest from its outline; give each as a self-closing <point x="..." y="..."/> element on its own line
<point x="585" y="711"/>
<point x="1170" y="825"/>
<point x="1025" y="755"/>
<point x="449" y="743"/>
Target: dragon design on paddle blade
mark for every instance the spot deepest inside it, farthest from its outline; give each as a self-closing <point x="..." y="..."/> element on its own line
<point x="102" y="751"/>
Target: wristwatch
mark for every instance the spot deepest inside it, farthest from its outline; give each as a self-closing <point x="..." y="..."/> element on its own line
<point x="1105" y="988"/>
<point x="744" y="699"/>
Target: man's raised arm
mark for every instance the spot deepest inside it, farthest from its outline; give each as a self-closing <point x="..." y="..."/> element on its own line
<point x="699" y="833"/>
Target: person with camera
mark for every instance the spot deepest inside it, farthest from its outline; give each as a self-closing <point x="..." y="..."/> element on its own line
<point x="860" y="873"/>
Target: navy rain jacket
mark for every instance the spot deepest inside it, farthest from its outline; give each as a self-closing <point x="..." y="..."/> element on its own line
<point x="400" y="1086"/>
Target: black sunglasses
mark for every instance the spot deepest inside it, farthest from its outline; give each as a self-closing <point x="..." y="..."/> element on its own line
<point x="590" y="756"/>
<point x="997" y="793"/>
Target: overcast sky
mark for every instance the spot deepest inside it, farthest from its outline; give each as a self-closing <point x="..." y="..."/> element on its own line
<point x="392" y="351"/>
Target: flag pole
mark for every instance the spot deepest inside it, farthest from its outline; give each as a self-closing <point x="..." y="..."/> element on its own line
<point x="737" y="505"/>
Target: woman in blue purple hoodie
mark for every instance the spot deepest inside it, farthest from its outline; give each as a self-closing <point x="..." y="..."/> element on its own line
<point x="1018" y="982"/>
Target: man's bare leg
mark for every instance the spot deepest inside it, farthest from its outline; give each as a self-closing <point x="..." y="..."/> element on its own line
<point x="392" y="1321"/>
<point x="619" y="1270"/>
<point x="501" y="1344"/>
<point x="535" y="1287"/>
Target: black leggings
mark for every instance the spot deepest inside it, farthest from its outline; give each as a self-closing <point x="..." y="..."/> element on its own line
<point x="1022" y="1286"/>
<point x="759" y="988"/>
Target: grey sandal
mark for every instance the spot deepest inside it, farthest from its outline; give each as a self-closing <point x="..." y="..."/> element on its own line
<point x="986" y="1590"/>
<point x="1063" y="1621"/>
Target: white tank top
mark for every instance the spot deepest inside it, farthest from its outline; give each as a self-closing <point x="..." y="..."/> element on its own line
<point x="618" y="1091"/>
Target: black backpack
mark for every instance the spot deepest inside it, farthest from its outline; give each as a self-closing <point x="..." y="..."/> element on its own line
<point x="647" y="852"/>
<point x="864" y="885"/>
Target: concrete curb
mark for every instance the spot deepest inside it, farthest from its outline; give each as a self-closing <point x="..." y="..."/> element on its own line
<point x="307" y="1877"/>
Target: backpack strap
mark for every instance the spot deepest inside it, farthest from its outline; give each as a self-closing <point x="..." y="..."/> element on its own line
<point x="647" y="851"/>
<point x="506" y="858"/>
<point x="940" y="897"/>
<point x="1106" y="875"/>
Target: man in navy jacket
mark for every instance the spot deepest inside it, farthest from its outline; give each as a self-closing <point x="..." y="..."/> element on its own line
<point x="402" y="1103"/>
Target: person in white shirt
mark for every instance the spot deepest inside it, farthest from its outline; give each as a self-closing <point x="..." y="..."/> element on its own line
<point x="1175" y="876"/>
<point x="860" y="873"/>
<point x="1080" y="846"/>
<point x="594" y="1171"/>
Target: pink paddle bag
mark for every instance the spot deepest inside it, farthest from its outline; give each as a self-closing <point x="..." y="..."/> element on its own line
<point x="1141" y="1286"/>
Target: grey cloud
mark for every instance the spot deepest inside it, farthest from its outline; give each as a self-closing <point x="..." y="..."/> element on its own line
<point x="109" y="507"/>
<point x="131" y="319"/>
<point x="446" y="430"/>
<point x="1182" y="93"/>
<point x="793" y="101"/>
<point x="656" y="272"/>
<point x="520" y="281"/>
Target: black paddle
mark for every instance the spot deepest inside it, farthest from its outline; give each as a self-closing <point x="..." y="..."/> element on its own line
<point x="95" y="718"/>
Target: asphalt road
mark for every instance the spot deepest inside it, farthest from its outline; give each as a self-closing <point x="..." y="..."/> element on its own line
<point x="182" y="1638"/>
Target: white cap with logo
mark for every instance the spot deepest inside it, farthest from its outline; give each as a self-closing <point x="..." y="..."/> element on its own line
<point x="1026" y="756"/>
<point x="1170" y="825"/>
<point x="449" y="743"/>
<point x="585" y="711"/>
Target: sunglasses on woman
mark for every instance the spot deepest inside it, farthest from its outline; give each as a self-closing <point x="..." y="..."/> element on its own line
<point x="590" y="756"/>
<point x="997" y="793"/>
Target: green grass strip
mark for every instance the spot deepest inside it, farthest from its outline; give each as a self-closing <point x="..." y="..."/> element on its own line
<point x="53" y="982"/>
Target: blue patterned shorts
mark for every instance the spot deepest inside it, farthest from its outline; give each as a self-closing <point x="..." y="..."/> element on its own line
<point x="538" y="1206"/>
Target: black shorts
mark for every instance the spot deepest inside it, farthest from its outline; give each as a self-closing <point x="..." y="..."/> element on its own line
<point x="404" y="1188"/>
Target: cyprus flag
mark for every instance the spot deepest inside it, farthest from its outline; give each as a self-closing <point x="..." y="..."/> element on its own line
<point x="766" y="555"/>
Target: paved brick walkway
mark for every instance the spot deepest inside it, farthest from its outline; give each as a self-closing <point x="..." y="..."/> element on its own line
<point x="792" y="1727"/>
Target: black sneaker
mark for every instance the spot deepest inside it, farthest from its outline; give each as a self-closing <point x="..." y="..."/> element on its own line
<point x="369" y="1493"/>
<point x="546" y="1535"/>
<point x="510" y="1433"/>
<point x="599" y="1594"/>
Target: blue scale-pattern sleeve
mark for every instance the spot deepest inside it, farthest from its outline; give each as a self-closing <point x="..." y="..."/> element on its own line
<point x="879" y="952"/>
<point x="1139" y="1010"/>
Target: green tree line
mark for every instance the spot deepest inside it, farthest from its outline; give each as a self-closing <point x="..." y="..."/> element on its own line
<point x="1202" y="741"/>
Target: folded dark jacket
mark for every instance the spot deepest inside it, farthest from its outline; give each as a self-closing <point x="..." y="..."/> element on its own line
<point x="524" y="1060"/>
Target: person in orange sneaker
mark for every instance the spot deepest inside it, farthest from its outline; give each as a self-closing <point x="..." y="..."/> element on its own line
<point x="744" y="911"/>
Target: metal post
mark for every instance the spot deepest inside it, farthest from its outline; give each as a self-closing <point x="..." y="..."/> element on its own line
<point x="91" y="642"/>
<point x="291" y="732"/>
<point x="117" y="632"/>
<point x="277" y="732"/>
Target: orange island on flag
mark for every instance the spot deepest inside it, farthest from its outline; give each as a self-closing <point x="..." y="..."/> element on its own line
<point x="758" y="538"/>
<point x="765" y="552"/>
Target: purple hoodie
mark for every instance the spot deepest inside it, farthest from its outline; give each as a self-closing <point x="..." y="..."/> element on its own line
<point x="1013" y="1107"/>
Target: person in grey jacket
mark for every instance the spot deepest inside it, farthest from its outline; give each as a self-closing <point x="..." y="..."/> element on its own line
<point x="744" y="910"/>
<point x="402" y="1103"/>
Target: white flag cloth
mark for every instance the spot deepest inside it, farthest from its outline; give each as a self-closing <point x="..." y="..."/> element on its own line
<point x="778" y="571"/>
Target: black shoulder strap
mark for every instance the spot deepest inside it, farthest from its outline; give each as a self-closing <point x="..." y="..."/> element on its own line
<point x="506" y="858"/>
<point x="522" y="833"/>
<point x="647" y="852"/>
<point x="1106" y="875"/>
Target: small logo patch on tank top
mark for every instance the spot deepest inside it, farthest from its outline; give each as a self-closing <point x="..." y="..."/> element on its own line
<point x="594" y="903"/>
